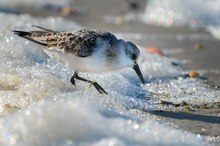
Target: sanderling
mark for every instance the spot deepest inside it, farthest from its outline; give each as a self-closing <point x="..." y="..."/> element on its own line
<point x="86" y="50"/>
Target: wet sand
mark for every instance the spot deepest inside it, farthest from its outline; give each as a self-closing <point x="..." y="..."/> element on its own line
<point x="205" y="122"/>
<point x="202" y="121"/>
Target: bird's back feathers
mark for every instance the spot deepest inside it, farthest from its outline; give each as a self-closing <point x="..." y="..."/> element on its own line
<point x="81" y="43"/>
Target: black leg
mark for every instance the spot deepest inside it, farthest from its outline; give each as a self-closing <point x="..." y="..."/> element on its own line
<point x="72" y="80"/>
<point x="95" y="84"/>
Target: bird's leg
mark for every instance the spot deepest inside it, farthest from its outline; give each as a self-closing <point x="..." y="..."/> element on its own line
<point x="95" y="84"/>
<point x="72" y="80"/>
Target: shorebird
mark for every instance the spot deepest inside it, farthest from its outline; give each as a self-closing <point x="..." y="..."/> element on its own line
<point x="86" y="50"/>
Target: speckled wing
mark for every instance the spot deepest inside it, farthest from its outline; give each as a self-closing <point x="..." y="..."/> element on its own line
<point x="81" y="43"/>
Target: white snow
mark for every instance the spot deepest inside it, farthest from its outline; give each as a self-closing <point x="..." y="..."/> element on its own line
<point x="67" y="120"/>
<point x="39" y="106"/>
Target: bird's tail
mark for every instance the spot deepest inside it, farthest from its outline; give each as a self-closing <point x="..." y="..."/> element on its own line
<point x="44" y="36"/>
<point x="22" y="33"/>
<point x="30" y="36"/>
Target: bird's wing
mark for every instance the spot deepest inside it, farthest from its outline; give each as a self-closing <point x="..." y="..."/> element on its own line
<point x="81" y="43"/>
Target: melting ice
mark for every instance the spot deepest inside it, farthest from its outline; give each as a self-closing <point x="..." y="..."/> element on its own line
<point x="39" y="106"/>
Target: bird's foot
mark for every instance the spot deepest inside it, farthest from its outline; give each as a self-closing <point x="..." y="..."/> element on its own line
<point x="75" y="76"/>
<point x="98" y="87"/>
<point x="72" y="80"/>
<point x="95" y="84"/>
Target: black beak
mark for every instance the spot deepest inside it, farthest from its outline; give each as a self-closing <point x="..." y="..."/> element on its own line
<point x="138" y="71"/>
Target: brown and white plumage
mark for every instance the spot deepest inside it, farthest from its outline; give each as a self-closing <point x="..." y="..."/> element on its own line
<point x="86" y="50"/>
<point x="81" y="42"/>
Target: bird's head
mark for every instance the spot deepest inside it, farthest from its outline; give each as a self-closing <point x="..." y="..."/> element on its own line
<point x="133" y="53"/>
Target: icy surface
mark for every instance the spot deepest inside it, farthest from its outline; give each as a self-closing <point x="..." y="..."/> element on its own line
<point x="39" y="106"/>
<point x="195" y="13"/>
<point x="66" y="120"/>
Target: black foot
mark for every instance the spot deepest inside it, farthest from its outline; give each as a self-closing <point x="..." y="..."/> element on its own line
<point x="72" y="80"/>
<point x="95" y="84"/>
<point x="99" y="88"/>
